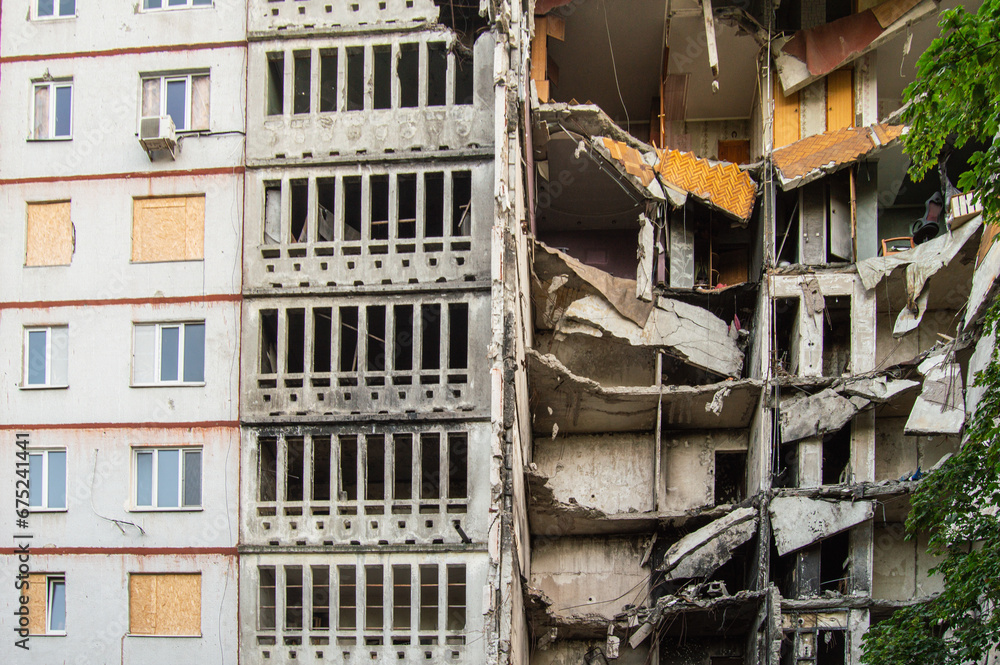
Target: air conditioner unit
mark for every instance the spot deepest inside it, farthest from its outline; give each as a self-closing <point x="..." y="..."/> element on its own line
<point x="158" y="133"/>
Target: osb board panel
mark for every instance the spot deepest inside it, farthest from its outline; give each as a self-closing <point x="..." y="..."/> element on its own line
<point x="49" y="239"/>
<point x="786" y="117"/>
<point x="840" y="99"/>
<point x="36" y="604"/>
<point x="165" y="604"/>
<point x="168" y="229"/>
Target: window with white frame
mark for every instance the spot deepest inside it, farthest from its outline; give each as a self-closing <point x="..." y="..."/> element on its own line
<point x="53" y="111"/>
<point x="55" y="8"/>
<point x="183" y="97"/>
<point x="47" y="480"/>
<point x="168" y="353"/>
<point x="174" y="4"/>
<point x="167" y="478"/>
<point x="46" y="357"/>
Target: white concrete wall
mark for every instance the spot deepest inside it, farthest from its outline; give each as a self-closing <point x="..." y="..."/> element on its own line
<point x="100" y="367"/>
<point x="97" y="611"/>
<point x="323" y="14"/>
<point x="101" y="267"/>
<point x="101" y="487"/>
<point x="106" y="111"/>
<point x="118" y="24"/>
<point x="897" y="454"/>
<point x="689" y="466"/>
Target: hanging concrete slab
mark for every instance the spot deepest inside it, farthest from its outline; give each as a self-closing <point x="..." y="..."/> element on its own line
<point x="940" y="408"/>
<point x="702" y="552"/>
<point x="804" y="416"/>
<point x="815" y="156"/>
<point x="798" y="522"/>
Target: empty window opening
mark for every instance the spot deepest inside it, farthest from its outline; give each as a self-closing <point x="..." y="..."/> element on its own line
<point x="326" y="199"/>
<point x="322" y="339"/>
<point x="408" y="70"/>
<point x="272" y="213"/>
<point x="267" y="598"/>
<point x="293" y="597"/>
<point x="382" y="70"/>
<point x="458" y="466"/>
<point x="788" y="465"/>
<point x="321" y="468"/>
<point x="461" y="203"/>
<point x="348" y="339"/>
<point x="302" y="72"/>
<point x="456" y="597"/>
<point x="355" y="79"/>
<point x="275" y="83"/>
<point x="430" y="336"/>
<point x="402" y="483"/>
<point x="464" y="81"/>
<point x="437" y="73"/>
<point x="294" y="468"/>
<point x="786" y="333"/>
<point x="300" y="210"/>
<point x="430" y="466"/>
<point x="428" y="597"/>
<point x="433" y="205"/>
<point x="402" y="343"/>
<point x="295" y="342"/>
<point x="376" y="337"/>
<point x="352" y="208"/>
<point x="458" y="335"/>
<point x="730" y="477"/>
<point x="375" y="468"/>
<point x="401" y="597"/>
<point x="379" y="185"/>
<point x="348" y="468"/>
<point x="837" y="456"/>
<point x="837" y="336"/>
<point x="267" y="475"/>
<point x="835" y="563"/>
<point x="268" y="341"/>
<point x="830" y="648"/>
<point x="347" y="610"/>
<point x="328" y="81"/>
<point x="320" y="597"/>
<point x="373" y="597"/>
<point x="406" y="195"/>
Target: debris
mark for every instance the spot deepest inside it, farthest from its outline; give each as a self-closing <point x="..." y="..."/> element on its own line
<point x="702" y="552"/>
<point x="804" y="416"/>
<point x="715" y="406"/>
<point x="940" y="408"/>
<point x="878" y="389"/>
<point x="798" y="522"/>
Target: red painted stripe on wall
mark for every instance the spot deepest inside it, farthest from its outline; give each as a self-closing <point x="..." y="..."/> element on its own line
<point x="166" y="48"/>
<point x="141" y="551"/>
<point x="49" y="304"/>
<point x="221" y="170"/>
<point x="204" y="424"/>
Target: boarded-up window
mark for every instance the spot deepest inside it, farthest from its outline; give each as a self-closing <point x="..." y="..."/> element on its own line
<point x="49" y="240"/>
<point x="168" y="229"/>
<point x="36" y="604"/>
<point x="46" y="605"/>
<point x="164" y="604"/>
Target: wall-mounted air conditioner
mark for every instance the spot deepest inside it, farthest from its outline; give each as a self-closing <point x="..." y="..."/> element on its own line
<point x="158" y="133"/>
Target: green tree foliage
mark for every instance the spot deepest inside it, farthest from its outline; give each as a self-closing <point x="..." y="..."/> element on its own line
<point x="957" y="95"/>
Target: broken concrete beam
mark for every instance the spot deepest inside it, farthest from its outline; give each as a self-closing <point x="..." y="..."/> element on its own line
<point x="879" y="389"/>
<point x="940" y="408"/>
<point x="702" y="552"/>
<point x="804" y="416"/>
<point x="688" y="332"/>
<point x="798" y="522"/>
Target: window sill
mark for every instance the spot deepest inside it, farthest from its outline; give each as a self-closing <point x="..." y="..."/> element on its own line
<point x="52" y="19"/>
<point x="146" y="263"/>
<point x="169" y="636"/>
<point x="47" y="510"/>
<point x="56" y="139"/>
<point x="179" y="8"/>
<point x="178" y="384"/>
<point x="33" y="387"/>
<point x="147" y="509"/>
<point x="52" y="634"/>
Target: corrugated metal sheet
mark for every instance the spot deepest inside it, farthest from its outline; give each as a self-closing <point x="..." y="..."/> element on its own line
<point x="723" y="184"/>
<point x="832" y="149"/>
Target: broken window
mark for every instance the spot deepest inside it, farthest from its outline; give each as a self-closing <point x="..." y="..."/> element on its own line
<point x="294" y="469"/>
<point x="328" y="81"/>
<point x="837" y="456"/>
<point x="837" y="336"/>
<point x="458" y="335"/>
<point x="730" y="476"/>
<point x="433" y="205"/>
<point x="272" y="212"/>
<point x="786" y="311"/>
<point x="49" y="238"/>
<point x="46" y="594"/>
<point x="406" y="195"/>
<point x="266" y="598"/>
<point x="461" y="200"/>
<point x="275" y="83"/>
<point x="408" y="70"/>
<point x="401" y="597"/>
<point x="321" y="448"/>
<point x="437" y="73"/>
<point x="348" y="339"/>
<point x="267" y="471"/>
<point x="149" y="615"/>
<point x="430" y="466"/>
<point x="352" y="208"/>
<point x="464" y="80"/>
<point x="373" y="598"/>
<point x="458" y="466"/>
<point x="379" y="224"/>
<point x="322" y="339"/>
<point x="835" y="563"/>
<point x="348" y="468"/>
<point x="428" y="597"/>
<point x="355" y="79"/>
<point x="326" y="199"/>
<point x="402" y="486"/>
<point x="382" y="75"/>
<point x="375" y="467"/>
<point x="168" y="229"/>
<point x="456" y="597"/>
<point x="830" y="648"/>
<point x="295" y="341"/>
<point x="302" y="73"/>
<point x="320" y="597"/>
<point x="430" y="336"/>
<point x="402" y="346"/>
<point x="268" y="341"/>
<point x="347" y="593"/>
<point x="375" y="321"/>
<point x="293" y="597"/>
<point x="299" y="210"/>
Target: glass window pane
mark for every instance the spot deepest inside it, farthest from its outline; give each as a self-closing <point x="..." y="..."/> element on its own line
<point x="64" y="96"/>
<point x="194" y="351"/>
<point x="167" y="478"/>
<point x="57" y="605"/>
<point x="36" y="357"/>
<point x="192" y="478"/>
<point x="201" y="2"/>
<point x="45" y="7"/>
<point x="176" y="3"/>
<point x="57" y="479"/>
<point x="152" y="4"/>
<point x="177" y="102"/>
<point x="35" y="464"/>
<point x="144" y="479"/>
<point x="58" y="356"/>
<point x="67" y="7"/>
<point x="169" y="353"/>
